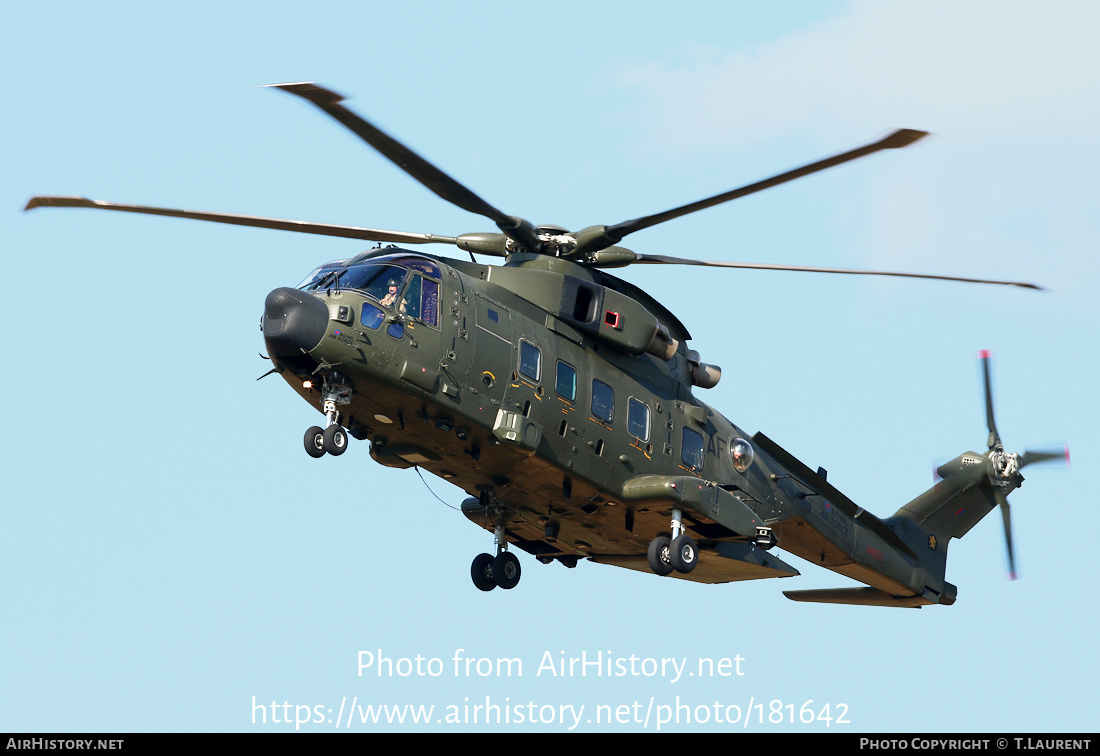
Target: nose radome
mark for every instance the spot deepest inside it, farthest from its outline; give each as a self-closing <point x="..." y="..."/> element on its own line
<point x="294" y="321"/>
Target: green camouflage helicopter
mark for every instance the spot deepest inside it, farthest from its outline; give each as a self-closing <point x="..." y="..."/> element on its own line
<point x="561" y="399"/>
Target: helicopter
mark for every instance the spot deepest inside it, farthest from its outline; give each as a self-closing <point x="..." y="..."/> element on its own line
<point x="561" y="399"/>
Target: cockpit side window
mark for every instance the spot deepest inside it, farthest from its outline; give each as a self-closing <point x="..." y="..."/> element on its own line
<point x="372" y="317"/>
<point x="410" y="304"/>
<point x="429" y="312"/>
<point x="420" y="300"/>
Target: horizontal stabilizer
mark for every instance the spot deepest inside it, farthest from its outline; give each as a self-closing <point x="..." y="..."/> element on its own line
<point x="857" y="596"/>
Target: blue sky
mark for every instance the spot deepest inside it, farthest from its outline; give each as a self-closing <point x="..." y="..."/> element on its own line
<point x="168" y="550"/>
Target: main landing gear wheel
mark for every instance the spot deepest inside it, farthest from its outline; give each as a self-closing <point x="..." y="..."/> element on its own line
<point x="660" y="555"/>
<point x="506" y="570"/>
<point x="482" y="572"/>
<point x="335" y="440"/>
<point x="489" y="573"/>
<point x="315" y="442"/>
<point x="684" y="554"/>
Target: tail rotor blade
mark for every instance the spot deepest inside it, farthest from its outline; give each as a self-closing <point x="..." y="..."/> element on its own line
<point x="1032" y="456"/>
<point x="1006" y="516"/>
<point x="994" y="438"/>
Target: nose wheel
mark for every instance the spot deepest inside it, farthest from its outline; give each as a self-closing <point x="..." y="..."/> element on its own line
<point x="332" y="439"/>
<point x="321" y="441"/>
<point x="315" y="442"/>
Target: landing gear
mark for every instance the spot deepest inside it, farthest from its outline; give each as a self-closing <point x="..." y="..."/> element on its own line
<point x="679" y="553"/>
<point x="490" y="572"/>
<point x="502" y="571"/>
<point x="332" y="439"/>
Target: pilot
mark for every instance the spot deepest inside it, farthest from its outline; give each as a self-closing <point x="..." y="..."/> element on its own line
<point x="391" y="295"/>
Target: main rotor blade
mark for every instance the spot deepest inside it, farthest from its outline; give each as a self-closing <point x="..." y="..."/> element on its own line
<point x="414" y="165"/>
<point x="994" y="438"/>
<point x="325" y="229"/>
<point x="665" y="260"/>
<point x="897" y="139"/>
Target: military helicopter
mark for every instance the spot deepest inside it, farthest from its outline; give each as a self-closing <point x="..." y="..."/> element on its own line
<point x="560" y="398"/>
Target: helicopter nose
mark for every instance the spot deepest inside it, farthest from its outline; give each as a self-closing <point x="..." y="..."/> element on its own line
<point x="294" y="321"/>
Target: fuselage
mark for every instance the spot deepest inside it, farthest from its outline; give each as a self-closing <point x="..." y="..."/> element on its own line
<point x="579" y="443"/>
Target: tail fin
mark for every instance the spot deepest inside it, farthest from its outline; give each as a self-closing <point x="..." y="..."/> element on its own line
<point x="961" y="498"/>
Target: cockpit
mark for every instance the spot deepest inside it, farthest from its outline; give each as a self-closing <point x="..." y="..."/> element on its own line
<point x="407" y="284"/>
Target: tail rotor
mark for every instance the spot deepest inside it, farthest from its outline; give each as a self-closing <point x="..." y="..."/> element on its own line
<point x="1007" y="465"/>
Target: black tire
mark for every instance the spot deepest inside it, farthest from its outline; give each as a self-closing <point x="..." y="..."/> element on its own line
<point x="660" y="555"/>
<point x="314" y="442"/>
<point x="482" y="572"/>
<point x="335" y="440"/>
<point x="684" y="554"/>
<point x="506" y="570"/>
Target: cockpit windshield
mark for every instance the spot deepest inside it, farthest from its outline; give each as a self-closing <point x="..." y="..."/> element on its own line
<point x="380" y="278"/>
<point x="313" y="280"/>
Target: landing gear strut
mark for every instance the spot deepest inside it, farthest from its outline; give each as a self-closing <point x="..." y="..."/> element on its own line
<point x="332" y="439"/>
<point x="679" y="553"/>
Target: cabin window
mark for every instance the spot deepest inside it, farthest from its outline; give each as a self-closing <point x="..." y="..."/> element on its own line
<point x="692" y="449"/>
<point x="603" y="401"/>
<point x="566" y="384"/>
<point x="530" y="360"/>
<point x="637" y="419"/>
<point x="741" y="454"/>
